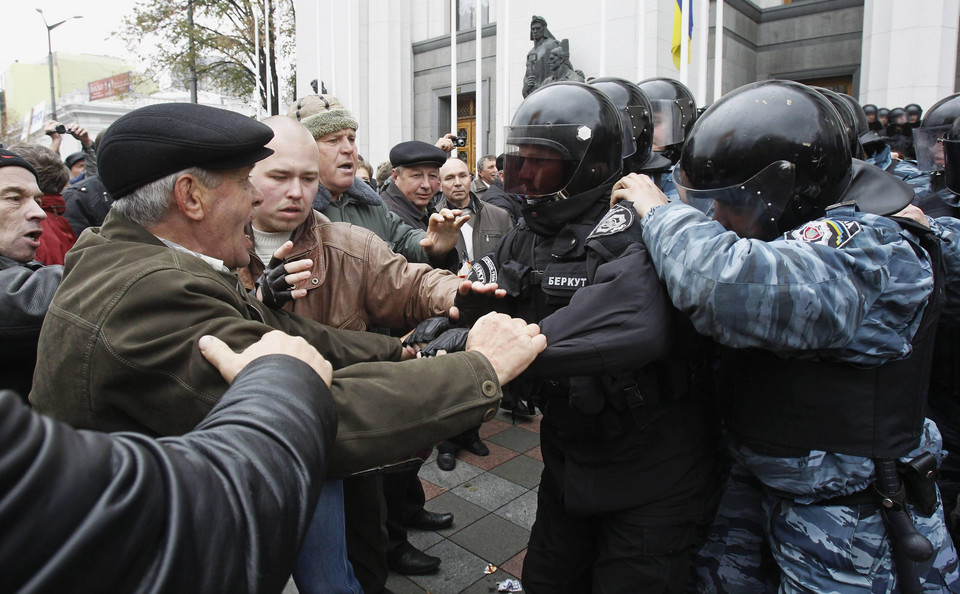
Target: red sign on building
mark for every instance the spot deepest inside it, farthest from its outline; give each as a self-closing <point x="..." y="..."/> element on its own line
<point x="109" y="87"/>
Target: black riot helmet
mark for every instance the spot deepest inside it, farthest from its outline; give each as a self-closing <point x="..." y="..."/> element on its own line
<point x="932" y="129"/>
<point x="565" y="139"/>
<point x="766" y="158"/>
<point x="869" y="110"/>
<point x="951" y="157"/>
<point x="847" y="117"/>
<point x="913" y="113"/>
<point x="883" y="114"/>
<point x="869" y="140"/>
<point x="897" y="116"/>
<point x="674" y="112"/>
<point x="637" y="115"/>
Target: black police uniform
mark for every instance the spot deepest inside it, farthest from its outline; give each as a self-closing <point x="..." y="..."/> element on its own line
<point x="628" y="443"/>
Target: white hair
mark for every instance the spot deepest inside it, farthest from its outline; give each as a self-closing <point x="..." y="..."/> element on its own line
<point x="150" y="203"/>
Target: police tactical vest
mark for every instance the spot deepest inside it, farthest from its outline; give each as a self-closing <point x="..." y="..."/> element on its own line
<point x="787" y="407"/>
<point x="544" y="272"/>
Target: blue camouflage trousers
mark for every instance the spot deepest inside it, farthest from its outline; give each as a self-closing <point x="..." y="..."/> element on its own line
<point x="759" y="542"/>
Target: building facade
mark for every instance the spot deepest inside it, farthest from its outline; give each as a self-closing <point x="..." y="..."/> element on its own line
<point x="390" y="60"/>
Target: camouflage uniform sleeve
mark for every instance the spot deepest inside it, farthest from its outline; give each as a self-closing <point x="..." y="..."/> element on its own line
<point x="861" y="301"/>
<point x="918" y="180"/>
<point x="948" y="230"/>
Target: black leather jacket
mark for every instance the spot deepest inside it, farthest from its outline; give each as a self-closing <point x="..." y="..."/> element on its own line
<point x="223" y="508"/>
<point x="26" y="291"/>
<point x="88" y="203"/>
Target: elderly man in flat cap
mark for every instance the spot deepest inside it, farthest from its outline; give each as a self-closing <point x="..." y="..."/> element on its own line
<point x="181" y="499"/>
<point x="416" y="179"/>
<point x="118" y="348"/>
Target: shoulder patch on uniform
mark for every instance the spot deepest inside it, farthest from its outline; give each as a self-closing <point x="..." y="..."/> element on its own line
<point x="484" y="270"/>
<point x="829" y="232"/>
<point x="617" y="220"/>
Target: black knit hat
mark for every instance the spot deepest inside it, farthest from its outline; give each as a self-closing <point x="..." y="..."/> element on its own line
<point x="8" y="159"/>
<point x="157" y="140"/>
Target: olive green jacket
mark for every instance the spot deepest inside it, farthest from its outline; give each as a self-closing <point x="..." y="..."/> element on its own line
<point x="118" y="352"/>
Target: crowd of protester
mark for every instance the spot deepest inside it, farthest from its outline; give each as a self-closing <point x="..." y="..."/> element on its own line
<point x="739" y="322"/>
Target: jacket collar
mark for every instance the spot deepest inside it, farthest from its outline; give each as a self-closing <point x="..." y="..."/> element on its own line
<point x="475" y="203"/>
<point x="393" y="193"/>
<point x="359" y="191"/>
<point x="6" y="262"/>
<point x="117" y="228"/>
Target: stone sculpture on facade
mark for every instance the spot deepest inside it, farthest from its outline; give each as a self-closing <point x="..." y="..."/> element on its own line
<point x="560" y="66"/>
<point x="537" y="58"/>
<point x="549" y="60"/>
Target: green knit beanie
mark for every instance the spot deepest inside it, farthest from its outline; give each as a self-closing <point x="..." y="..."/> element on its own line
<point x="322" y="114"/>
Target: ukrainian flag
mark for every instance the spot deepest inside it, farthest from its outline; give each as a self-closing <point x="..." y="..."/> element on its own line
<point x="675" y="44"/>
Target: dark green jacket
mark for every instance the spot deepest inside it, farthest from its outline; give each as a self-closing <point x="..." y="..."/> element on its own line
<point x="361" y="206"/>
<point x="118" y="352"/>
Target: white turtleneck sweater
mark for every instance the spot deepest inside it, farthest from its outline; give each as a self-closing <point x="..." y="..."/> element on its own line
<point x="266" y="243"/>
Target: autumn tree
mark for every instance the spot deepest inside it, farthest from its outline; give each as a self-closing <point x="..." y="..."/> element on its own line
<point x="223" y="50"/>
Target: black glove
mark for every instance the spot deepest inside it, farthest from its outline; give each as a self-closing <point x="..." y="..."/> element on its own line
<point x="428" y="330"/>
<point x="274" y="289"/>
<point x="451" y="341"/>
<point x="473" y="306"/>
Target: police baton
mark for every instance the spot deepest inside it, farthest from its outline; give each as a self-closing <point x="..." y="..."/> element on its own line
<point x="909" y="546"/>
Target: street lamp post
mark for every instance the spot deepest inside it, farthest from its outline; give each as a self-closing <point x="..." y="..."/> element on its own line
<point x="53" y="95"/>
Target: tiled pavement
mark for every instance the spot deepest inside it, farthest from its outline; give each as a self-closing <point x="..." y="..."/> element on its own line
<point x="493" y="500"/>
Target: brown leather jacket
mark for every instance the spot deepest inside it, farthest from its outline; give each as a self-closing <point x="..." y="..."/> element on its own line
<point x="357" y="281"/>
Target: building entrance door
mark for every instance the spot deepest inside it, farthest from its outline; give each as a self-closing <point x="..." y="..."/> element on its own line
<point x="466" y="134"/>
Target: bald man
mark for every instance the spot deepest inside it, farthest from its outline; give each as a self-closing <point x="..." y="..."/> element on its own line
<point x="344" y="276"/>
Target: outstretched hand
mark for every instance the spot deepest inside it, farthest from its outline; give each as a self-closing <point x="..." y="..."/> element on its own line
<point x="229" y="363"/>
<point x="443" y="231"/>
<point x="473" y="300"/>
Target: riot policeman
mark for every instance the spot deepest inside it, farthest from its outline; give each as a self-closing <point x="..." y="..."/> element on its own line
<point x="674" y="112"/>
<point x="871" y="112"/>
<point x="898" y="133"/>
<point x="874" y="150"/>
<point x="883" y="116"/>
<point x="826" y="319"/>
<point x="933" y="197"/>
<point x="637" y="123"/>
<point x="628" y="443"/>
<point x="914" y="113"/>
<point x="944" y="397"/>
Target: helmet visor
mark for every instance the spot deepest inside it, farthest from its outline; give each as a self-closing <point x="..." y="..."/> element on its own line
<point x="951" y="168"/>
<point x="667" y="123"/>
<point x="926" y="142"/>
<point x="751" y="208"/>
<point x="541" y="160"/>
<point x="629" y="120"/>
